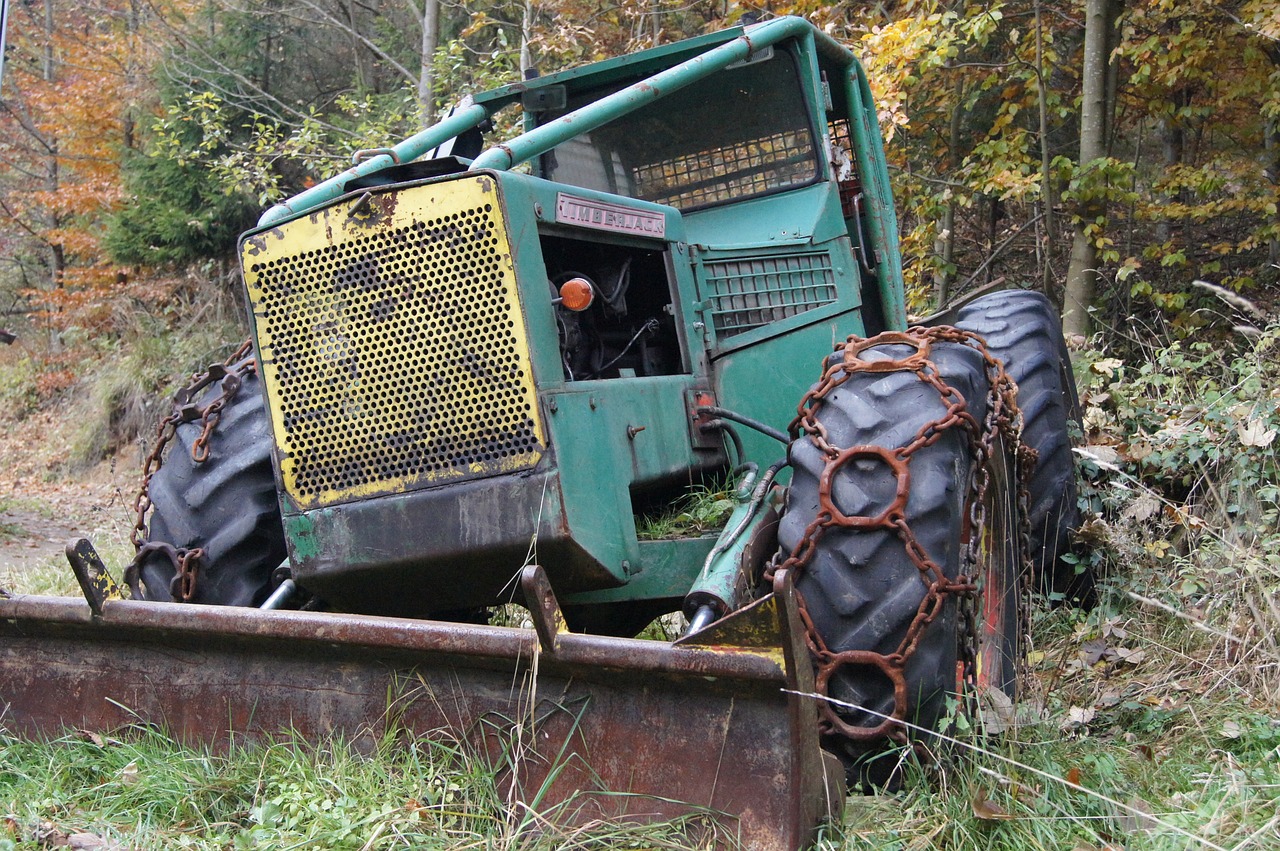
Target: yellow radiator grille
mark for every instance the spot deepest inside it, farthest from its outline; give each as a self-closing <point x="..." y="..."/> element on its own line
<point x="393" y="345"/>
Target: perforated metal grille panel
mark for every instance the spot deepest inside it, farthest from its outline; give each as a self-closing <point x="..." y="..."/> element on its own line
<point x="748" y="292"/>
<point x="393" y="346"/>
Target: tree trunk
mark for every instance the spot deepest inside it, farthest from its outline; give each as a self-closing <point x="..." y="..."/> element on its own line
<point x="1114" y="8"/>
<point x="426" y="78"/>
<point x="362" y="79"/>
<point x="1273" y="156"/>
<point x="57" y="254"/>
<point x="1082" y="274"/>
<point x="1172" y="143"/>
<point x="1048" y="283"/>
<point x="945" y="244"/>
<point x="526" y="36"/>
<point x="1271" y="143"/>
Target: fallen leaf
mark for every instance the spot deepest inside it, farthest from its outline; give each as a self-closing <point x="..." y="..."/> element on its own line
<point x="997" y="712"/>
<point x="1157" y="549"/>
<point x="1078" y="716"/>
<point x="1093" y="650"/>
<point x="129" y="774"/>
<point x="1106" y="366"/>
<point x="1183" y="517"/>
<point x="1113" y="629"/>
<point x="1132" y="657"/>
<point x="1103" y="455"/>
<point x="89" y="736"/>
<point x="1255" y="433"/>
<point x="1110" y="697"/>
<point x="49" y="835"/>
<point x="1141" y="508"/>
<point x="1138" y="451"/>
<point x="1231" y="730"/>
<point x="987" y="810"/>
<point x="1130" y="822"/>
<point x="1073" y="776"/>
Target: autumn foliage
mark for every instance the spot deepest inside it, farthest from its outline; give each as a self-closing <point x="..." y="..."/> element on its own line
<point x="137" y="138"/>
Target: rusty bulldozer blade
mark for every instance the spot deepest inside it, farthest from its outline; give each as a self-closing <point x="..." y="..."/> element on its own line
<point x="621" y="728"/>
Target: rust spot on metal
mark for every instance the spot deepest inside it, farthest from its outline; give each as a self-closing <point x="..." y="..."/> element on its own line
<point x="256" y="244"/>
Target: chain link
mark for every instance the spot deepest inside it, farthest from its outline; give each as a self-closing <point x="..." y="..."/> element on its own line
<point x="229" y="375"/>
<point x="1002" y="419"/>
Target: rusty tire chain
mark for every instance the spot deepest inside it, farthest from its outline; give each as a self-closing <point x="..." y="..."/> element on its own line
<point x="186" y="562"/>
<point x="1002" y="418"/>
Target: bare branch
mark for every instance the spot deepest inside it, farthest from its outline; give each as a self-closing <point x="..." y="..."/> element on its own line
<point x="342" y="26"/>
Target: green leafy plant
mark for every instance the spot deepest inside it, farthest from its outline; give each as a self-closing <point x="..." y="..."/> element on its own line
<point x="703" y="509"/>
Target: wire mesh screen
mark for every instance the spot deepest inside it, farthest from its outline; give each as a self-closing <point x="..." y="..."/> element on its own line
<point x="729" y="171"/>
<point x="740" y="132"/>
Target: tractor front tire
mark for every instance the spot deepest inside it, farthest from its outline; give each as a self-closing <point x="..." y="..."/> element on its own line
<point x="226" y="505"/>
<point x="861" y="588"/>
<point x="1022" y="329"/>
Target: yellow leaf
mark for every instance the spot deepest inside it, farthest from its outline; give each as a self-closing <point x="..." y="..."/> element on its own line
<point x="1106" y="366"/>
<point x="987" y="810"/>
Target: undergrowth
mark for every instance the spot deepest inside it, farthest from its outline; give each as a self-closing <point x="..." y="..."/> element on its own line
<point x="109" y="391"/>
<point x="136" y="788"/>
<point x="127" y="390"/>
<point x="1152" y="721"/>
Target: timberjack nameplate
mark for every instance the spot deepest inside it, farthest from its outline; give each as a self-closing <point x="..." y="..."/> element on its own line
<point x="601" y="215"/>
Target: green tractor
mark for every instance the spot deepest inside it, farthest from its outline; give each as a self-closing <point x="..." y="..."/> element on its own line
<point x="471" y="358"/>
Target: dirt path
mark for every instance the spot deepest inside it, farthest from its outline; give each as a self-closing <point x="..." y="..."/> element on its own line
<point x="42" y="507"/>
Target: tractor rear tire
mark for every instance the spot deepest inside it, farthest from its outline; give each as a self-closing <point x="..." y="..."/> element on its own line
<point x="1022" y="328"/>
<point x="226" y="505"/>
<point x="862" y="590"/>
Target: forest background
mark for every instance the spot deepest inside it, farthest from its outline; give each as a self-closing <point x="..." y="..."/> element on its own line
<point x="1118" y="150"/>
<point x="1121" y="155"/>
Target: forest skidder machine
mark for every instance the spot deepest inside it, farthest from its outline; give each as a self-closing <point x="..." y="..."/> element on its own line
<point x="475" y="366"/>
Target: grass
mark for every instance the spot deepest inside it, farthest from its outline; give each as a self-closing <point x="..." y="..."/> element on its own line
<point x="702" y="510"/>
<point x="137" y="788"/>
<point x="140" y="788"/>
<point x="52" y="579"/>
<point x="9" y="529"/>
<point x="53" y="576"/>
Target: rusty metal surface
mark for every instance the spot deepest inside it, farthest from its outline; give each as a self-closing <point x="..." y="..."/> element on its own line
<point x="711" y="729"/>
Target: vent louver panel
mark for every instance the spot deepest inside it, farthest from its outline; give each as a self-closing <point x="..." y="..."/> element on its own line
<point x="748" y="292"/>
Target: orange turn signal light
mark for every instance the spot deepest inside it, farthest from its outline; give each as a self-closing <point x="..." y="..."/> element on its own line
<point x="576" y="294"/>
